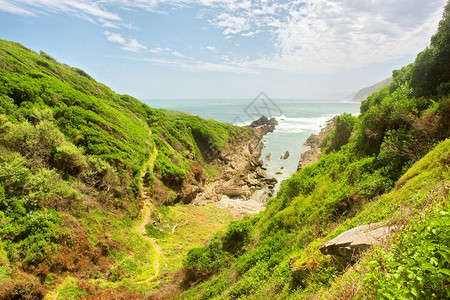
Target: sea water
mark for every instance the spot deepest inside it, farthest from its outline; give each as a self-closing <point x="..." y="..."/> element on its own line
<point x="297" y="119"/>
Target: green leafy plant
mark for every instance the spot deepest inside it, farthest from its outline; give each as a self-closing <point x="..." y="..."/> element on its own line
<point x="418" y="266"/>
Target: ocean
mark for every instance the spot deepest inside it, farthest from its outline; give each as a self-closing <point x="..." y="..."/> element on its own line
<point x="297" y="119"/>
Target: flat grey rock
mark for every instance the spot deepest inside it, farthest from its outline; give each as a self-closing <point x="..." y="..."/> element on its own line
<point x="348" y="246"/>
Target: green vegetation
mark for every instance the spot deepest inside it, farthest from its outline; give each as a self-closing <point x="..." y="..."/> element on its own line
<point x="389" y="164"/>
<point x="75" y="157"/>
<point x="72" y="157"/>
<point x="418" y="266"/>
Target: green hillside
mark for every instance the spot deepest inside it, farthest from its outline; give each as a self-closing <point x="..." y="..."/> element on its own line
<point x="390" y="164"/>
<point x="74" y="156"/>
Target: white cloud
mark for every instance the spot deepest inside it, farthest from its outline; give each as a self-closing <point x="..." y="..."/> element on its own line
<point x="250" y="33"/>
<point x="331" y="35"/>
<point x="156" y="50"/>
<point x="88" y="9"/>
<point x="231" y="24"/>
<point x="178" y="54"/>
<point x="198" y="65"/>
<point x="12" y="8"/>
<point x="110" y="25"/>
<point x="130" y="44"/>
<point x="306" y="35"/>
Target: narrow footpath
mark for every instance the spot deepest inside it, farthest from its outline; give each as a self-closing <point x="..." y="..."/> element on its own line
<point x="147" y="209"/>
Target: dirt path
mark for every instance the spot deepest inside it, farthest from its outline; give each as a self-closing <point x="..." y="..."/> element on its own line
<point x="147" y="219"/>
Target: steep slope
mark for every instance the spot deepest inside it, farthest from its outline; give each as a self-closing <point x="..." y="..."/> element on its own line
<point x="363" y="93"/>
<point x="72" y="157"/>
<point x="390" y="164"/>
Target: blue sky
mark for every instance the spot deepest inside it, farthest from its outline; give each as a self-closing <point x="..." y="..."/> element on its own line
<point x="227" y="49"/>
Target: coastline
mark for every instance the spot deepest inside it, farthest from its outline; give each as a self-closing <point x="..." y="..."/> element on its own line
<point x="243" y="186"/>
<point x="315" y="142"/>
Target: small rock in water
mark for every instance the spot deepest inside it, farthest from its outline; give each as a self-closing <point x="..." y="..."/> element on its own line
<point x="285" y="155"/>
<point x="278" y="173"/>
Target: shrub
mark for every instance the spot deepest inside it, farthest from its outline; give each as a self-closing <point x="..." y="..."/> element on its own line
<point x="47" y="189"/>
<point x="69" y="159"/>
<point x="201" y="263"/>
<point x="236" y="237"/>
<point x="418" y="266"/>
<point x="30" y="237"/>
<point x="13" y="172"/>
<point x="341" y="133"/>
<point x="21" y="286"/>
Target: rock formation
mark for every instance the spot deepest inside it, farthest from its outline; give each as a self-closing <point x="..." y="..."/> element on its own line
<point x="347" y="247"/>
<point x="315" y="144"/>
<point x="264" y="122"/>
<point x="242" y="172"/>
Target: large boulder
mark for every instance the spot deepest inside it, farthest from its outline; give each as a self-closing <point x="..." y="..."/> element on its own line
<point x="347" y="247"/>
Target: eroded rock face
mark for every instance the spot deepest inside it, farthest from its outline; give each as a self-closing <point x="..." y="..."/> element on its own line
<point x="242" y="174"/>
<point x="315" y="142"/>
<point x="346" y="248"/>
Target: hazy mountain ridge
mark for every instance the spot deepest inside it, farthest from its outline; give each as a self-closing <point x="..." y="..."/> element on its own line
<point x="363" y="93"/>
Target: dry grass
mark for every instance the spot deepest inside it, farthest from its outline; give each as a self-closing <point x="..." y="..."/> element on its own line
<point x="195" y="225"/>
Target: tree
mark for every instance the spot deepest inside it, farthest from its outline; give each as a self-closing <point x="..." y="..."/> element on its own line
<point x="431" y="72"/>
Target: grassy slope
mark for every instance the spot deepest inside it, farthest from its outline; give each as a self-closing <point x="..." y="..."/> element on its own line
<point x="71" y="156"/>
<point x="375" y="168"/>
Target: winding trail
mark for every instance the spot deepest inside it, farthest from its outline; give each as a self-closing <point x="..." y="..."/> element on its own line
<point x="147" y="219"/>
<point x="148" y="207"/>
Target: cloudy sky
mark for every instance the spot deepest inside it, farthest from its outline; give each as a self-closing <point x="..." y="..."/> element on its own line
<point x="230" y="48"/>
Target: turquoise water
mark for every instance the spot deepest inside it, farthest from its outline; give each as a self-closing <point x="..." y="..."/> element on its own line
<point x="297" y="119"/>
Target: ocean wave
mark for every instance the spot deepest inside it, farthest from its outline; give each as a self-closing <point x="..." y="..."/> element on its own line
<point x="299" y="125"/>
<point x="295" y="125"/>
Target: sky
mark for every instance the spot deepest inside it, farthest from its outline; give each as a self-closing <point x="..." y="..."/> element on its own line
<point x="158" y="49"/>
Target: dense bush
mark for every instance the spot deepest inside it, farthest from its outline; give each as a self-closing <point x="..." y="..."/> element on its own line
<point x="236" y="237"/>
<point x="418" y="266"/>
<point x="431" y="71"/>
<point x="340" y="134"/>
<point x="201" y="263"/>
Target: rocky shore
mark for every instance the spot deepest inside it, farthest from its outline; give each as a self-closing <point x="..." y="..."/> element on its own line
<point x="243" y="185"/>
<point x="315" y="142"/>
